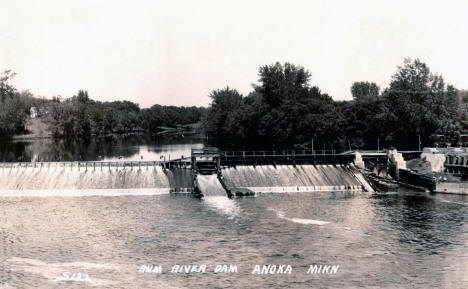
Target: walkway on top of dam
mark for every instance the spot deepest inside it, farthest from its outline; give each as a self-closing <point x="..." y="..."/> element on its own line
<point x="304" y="156"/>
<point x="227" y="158"/>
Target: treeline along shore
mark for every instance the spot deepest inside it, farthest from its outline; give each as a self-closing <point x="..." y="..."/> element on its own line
<point x="82" y="117"/>
<point x="283" y="111"/>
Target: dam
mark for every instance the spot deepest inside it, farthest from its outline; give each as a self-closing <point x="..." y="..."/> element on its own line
<point x="91" y="178"/>
<point x="289" y="178"/>
<point x="206" y="172"/>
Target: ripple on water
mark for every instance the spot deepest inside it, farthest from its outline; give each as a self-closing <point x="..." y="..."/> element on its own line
<point x="399" y="238"/>
<point x="281" y="215"/>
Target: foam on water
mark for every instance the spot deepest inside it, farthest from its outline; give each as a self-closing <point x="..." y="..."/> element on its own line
<point x="224" y="205"/>
<point x="84" y="192"/>
<point x="215" y="196"/>
<point x="299" y="220"/>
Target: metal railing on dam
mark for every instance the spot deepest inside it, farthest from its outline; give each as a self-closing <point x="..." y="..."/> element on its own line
<point x="228" y="158"/>
<point x="83" y="164"/>
<point x="97" y="164"/>
<point x="284" y="157"/>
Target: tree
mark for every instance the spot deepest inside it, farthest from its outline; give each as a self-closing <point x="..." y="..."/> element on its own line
<point x="421" y="104"/>
<point x="283" y="111"/>
<point x="278" y="82"/>
<point x="222" y="120"/>
<point x="7" y="91"/>
<point x="364" y="90"/>
<point x="13" y="113"/>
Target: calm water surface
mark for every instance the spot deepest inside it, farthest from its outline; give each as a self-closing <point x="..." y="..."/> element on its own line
<point x="106" y="149"/>
<point x="388" y="241"/>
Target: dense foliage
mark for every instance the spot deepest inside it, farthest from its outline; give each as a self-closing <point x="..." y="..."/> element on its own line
<point x="284" y="111"/>
<point x="82" y="117"/>
<point x="13" y="111"/>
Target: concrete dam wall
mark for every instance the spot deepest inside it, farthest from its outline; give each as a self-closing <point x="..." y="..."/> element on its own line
<point x="72" y="179"/>
<point x="75" y="179"/>
<point x="180" y="180"/>
<point x="288" y="178"/>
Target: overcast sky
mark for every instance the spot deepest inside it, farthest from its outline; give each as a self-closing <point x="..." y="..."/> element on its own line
<point x="176" y="52"/>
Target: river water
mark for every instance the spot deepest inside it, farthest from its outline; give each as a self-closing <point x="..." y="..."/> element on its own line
<point x="132" y="148"/>
<point x="400" y="240"/>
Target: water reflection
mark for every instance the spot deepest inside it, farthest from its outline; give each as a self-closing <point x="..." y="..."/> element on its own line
<point x="114" y="148"/>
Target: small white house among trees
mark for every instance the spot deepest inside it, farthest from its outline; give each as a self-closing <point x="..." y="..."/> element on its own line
<point x="33" y="112"/>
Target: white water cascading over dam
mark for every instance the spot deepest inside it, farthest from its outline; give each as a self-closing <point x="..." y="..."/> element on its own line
<point x="210" y="185"/>
<point x="288" y="178"/>
<point x="151" y="177"/>
<point x="215" y="196"/>
<point x="74" y="180"/>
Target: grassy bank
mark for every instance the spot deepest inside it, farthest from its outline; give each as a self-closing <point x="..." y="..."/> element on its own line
<point x="35" y="129"/>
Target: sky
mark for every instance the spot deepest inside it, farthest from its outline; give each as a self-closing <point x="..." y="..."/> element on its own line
<point x="177" y="52"/>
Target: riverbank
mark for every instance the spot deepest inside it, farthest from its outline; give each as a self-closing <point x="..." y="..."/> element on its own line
<point x="36" y="129"/>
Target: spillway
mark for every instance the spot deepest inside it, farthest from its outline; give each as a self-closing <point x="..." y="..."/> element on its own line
<point x="288" y="178"/>
<point x="215" y="196"/>
<point x="210" y="186"/>
<point x="114" y="178"/>
<point x="68" y="177"/>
